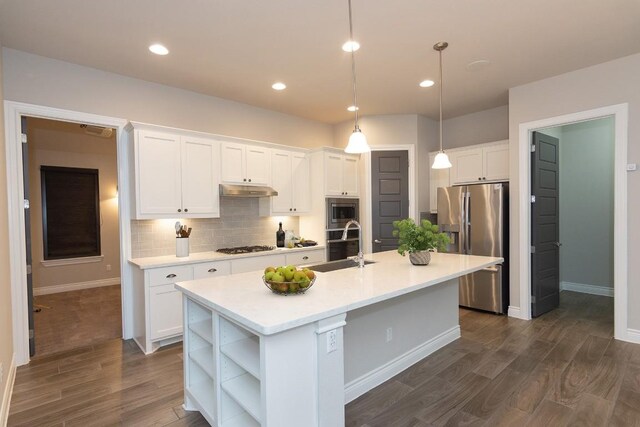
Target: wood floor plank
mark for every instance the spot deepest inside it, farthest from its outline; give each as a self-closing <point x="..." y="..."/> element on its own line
<point x="490" y="398"/>
<point x="626" y="411"/>
<point x="550" y="414"/>
<point x="375" y="401"/>
<point x="591" y="411"/>
<point x="507" y="416"/>
<point x="427" y="368"/>
<point x="606" y="378"/>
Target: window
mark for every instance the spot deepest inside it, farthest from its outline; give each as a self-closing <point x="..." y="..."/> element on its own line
<point x="70" y="212"/>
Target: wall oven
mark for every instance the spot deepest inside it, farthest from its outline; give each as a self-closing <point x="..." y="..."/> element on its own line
<point x="341" y="211"/>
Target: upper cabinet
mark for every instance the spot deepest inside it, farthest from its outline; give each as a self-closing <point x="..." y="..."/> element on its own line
<point x="175" y="175"/>
<point x="291" y="178"/>
<point x="340" y="175"/>
<point x="480" y="164"/>
<point x="245" y="164"/>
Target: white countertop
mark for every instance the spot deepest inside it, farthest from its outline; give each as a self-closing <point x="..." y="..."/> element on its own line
<point x="245" y="299"/>
<point x="193" y="258"/>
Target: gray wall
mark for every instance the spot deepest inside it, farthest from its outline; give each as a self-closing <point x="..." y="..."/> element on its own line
<point x="38" y="80"/>
<point x="476" y="128"/>
<point x="6" y="328"/>
<point x="601" y="85"/>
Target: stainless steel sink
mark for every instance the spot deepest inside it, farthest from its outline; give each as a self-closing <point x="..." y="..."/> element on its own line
<point x="336" y="265"/>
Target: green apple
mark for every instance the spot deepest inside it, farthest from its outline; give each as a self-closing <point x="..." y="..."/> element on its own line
<point x="281" y="270"/>
<point x="305" y="283"/>
<point x="268" y="269"/>
<point x="277" y="277"/>
<point x="299" y="276"/>
<point x="288" y="274"/>
<point x="269" y="275"/>
<point x="310" y="274"/>
<point x="293" y="287"/>
<point x="283" y="287"/>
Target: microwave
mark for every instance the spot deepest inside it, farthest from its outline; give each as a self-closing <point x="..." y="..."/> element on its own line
<point x="341" y="211"/>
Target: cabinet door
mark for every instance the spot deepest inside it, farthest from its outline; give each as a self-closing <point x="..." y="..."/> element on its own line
<point x="233" y="163"/>
<point x="437" y="178"/>
<point x="257" y="263"/>
<point x="333" y="174"/>
<point x="211" y="269"/>
<point x="496" y="163"/>
<point x="305" y="258"/>
<point x="281" y="182"/>
<point x="165" y="311"/>
<point x="350" y="176"/>
<point x="158" y="177"/>
<point x="301" y="178"/>
<point x="466" y="166"/>
<point x="258" y="165"/>
<point x="200" y="177"/>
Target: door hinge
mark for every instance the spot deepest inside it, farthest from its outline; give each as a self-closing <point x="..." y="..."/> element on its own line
<point x="28" y="268"/>
<point x="23" y="138"/>
<point x="31" y="334"/>
<point x="26" y="203"/>
<point x="533" y="148"/>
<point x="533" y="249"/>
<point x="533" y="198"/>
<point x="533" y="299"/>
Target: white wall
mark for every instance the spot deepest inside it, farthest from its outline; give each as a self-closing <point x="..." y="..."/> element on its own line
<point x="6" y="328"/>
<point x="601" y="85"/>
<point x="38" y="80"/>
<point x="586" y="203"/>
<point x="54" y="143"/>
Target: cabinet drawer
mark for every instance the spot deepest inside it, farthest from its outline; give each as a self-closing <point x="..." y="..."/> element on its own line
<point x="304" y="258"/>
<point x="165" y="275"/>
<point x="256" y="263"/>
<point x="165" y="311"/>
<point x="211" y="269"/>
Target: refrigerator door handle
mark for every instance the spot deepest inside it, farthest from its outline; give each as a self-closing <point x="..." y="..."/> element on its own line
<point x="462" y="238"/>
<point x="467" y="225"/>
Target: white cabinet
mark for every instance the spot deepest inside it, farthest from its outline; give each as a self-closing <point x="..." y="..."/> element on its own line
<point x="480" y="164"/>
<point x="340" y="175"/>
<point x="245" y="164"/>
<point x="291" y="178"/>
<point x="305" y="258"/>
<point x="165" y="312"/>
<point x="437" y="178"/>
<point x="175" y="176"/>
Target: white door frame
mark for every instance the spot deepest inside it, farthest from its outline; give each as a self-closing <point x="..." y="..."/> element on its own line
<point x="413" y="196"/>
<point x="15" y="194"/>
<point x="621" y="117"/>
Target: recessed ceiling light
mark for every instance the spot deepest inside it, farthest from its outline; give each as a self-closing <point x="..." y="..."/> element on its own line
<point x="427" y="83"/>
<point x="279" y="86"/>
<point x="158" y="49"/>
<point x="352" y="108"/>
<point x="478" y="65"/>
<point x="351" y="46"/>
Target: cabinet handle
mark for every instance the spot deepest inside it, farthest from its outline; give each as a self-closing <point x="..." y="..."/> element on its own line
<point x="290" y="209"/>
<point x="245" y="179"/>
<point x="212" y="270"/>
<point x="171" y="276"/>
<point x="484" y="178"/>
<point x="377" y="241"/>
<point x="186" y="210"/>
<point x="295" y="209"/>
<point x="305" y="258"/>
<point x="179" y="210"/>
<point x="249" y="179"/>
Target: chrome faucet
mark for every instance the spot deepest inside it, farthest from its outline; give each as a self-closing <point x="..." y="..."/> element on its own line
<point x="360" y="258"/>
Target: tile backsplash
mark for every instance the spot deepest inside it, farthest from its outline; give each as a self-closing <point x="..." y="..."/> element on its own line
<point x="239" y="224"/>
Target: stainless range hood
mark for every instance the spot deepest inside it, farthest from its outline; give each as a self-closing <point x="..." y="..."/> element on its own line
<point x="246" y="191"/>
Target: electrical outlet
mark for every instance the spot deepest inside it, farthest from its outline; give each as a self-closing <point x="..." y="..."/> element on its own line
<point x="108" y="267"/>
<point x="332" y="341"/>
<point x="389" y="334"/>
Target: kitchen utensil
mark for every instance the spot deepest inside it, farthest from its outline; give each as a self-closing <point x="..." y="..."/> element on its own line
<point x="178" y="227"/>
<point x="189" y="232"/>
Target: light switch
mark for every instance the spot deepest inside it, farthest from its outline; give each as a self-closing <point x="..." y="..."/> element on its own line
<point x="632" y="167"/>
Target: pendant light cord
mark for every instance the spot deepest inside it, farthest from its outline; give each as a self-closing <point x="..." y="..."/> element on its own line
<point x="440" y="53"/>
<point x="353" y="66"/>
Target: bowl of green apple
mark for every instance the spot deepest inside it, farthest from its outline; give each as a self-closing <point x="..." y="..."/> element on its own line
<point x="288" y="280"/>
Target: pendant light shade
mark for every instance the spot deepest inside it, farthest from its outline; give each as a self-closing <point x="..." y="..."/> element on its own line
<point x="357" y="140"/>
<point x="357" y="143"/>
<point x="442" y="160"/>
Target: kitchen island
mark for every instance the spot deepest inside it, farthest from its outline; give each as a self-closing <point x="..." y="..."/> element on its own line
<point x="256" y="358"/>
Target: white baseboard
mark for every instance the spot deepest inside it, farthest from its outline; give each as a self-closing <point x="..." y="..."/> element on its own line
<point x="633" y="335"/>
<point x="374" y="378"/>
<point x="515" y="312"/>
<point x="8" y="391"/>
<point x="587" y="289"/>
<point x="67" y="287"/>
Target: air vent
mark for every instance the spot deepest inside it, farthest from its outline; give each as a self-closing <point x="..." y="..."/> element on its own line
<point x="99" y="131"/>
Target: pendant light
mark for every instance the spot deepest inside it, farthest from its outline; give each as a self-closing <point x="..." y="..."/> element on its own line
<point x="442" y="160"/>
<point x="357" y="140"/>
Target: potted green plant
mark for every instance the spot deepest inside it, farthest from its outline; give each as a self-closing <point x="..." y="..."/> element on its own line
<point x="419" y="239"/>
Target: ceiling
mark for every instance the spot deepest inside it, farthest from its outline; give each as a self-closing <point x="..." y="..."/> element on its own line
<point x="235" y="49"/>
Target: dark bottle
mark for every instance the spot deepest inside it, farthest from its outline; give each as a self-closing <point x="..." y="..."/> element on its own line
<point x="280" y="237"/>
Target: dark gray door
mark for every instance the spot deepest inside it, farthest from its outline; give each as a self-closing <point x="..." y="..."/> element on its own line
<point x="27" y="233"/>
<point x="389" y="196"/>
<point x="545" y="256"/>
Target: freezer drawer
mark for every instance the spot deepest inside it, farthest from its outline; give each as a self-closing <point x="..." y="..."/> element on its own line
<point x="484" y="290"/>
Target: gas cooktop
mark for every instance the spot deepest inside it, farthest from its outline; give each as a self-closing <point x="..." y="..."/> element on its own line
<point x="245" y="249"/>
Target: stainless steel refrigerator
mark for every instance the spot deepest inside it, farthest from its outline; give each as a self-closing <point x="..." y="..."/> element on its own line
<point x="476" y="218"/>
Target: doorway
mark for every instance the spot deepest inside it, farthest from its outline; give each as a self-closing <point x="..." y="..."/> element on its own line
<point x="521" y="209"/>
<point x="572" y="178"/>
<point x="71" y="234"/>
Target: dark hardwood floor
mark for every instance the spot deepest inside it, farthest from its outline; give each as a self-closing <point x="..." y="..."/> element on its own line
<point x="69" y="320"/>
<point x="560" y="369"/>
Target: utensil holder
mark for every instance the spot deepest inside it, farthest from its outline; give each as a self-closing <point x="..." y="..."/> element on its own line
<point x="182" y="247"/>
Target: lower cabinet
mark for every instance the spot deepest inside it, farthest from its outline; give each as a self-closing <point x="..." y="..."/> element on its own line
<point x="158" y="317"/>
